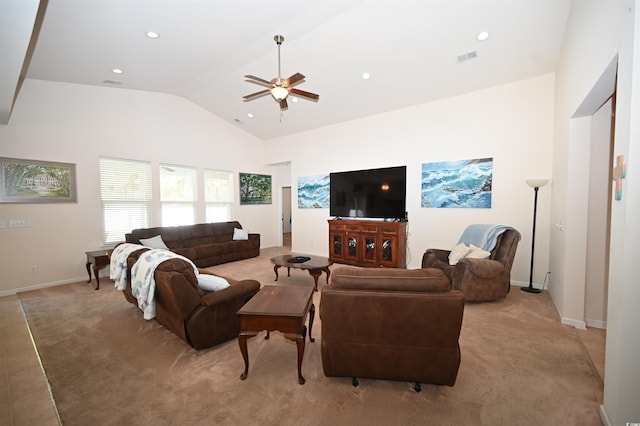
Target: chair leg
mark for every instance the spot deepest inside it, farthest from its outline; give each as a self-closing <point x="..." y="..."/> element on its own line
<point x="417" y="387"/>
<point x="355" y="382"/>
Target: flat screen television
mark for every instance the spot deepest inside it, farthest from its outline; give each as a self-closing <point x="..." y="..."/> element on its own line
<point x="373" y="193"/>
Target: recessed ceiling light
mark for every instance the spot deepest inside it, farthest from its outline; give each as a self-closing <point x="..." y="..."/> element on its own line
<point x="483" y="36"/>
<point x="250" y="115"/>
<point x="117" y="71"/>
<point x="293" y="99"/>
<point x="152" y="34"/>
<point x="366" y="76"/>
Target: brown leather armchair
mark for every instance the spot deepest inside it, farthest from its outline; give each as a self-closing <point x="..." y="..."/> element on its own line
<point x="479" y="279"/>
<point x="394" y="324"/>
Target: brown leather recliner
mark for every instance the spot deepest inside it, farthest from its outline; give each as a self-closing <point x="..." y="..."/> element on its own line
<point x="200" y="318"/>
<point x="393" y="324"/>
<point x="479" y="279"/>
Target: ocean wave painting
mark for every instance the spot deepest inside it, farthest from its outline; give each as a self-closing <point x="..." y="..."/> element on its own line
<point x="313" y="192"/>
<point x="457" y="184"/>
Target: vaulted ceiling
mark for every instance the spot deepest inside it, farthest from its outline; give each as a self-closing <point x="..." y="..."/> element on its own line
<point x="415" y="51"/>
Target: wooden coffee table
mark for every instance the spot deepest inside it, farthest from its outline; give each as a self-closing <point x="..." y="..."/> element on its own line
<point x="277" y="308"/>
<point x="315" y="265"/>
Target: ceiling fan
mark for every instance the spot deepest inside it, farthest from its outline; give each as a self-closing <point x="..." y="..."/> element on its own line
<point x="278" y="88"/>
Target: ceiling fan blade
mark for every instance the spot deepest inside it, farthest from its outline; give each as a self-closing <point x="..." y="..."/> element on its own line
<point x="305" y="95"/>
<point x="283" y="105"/>
<point x="258" y="80"/>
<point x="256" y="95"/>
<point x="297" y="78"/>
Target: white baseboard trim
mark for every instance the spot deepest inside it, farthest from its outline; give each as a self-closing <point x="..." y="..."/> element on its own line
<point x="13" y="291"/>
<point x="596" y="323"/>
<point x="580" y="325"/>
<point x="604" y="417"/>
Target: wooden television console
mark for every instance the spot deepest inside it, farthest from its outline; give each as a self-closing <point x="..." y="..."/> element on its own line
<point x="368" y="243"/>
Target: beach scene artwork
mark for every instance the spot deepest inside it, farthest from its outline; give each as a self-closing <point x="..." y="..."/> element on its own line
<point x="457" y="184"/>
<point x="313" y="192"/>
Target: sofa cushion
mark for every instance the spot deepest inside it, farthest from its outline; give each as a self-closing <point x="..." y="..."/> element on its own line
<point x="212" y="282"/>
<point x="154" y="243"/>
<point x="240" y="234"/>
<point x="209" y="250"/>
<point x="458" y="252"/>
<point x="390" y="279"/>
<point x="477" y="253"/>
<point x="195" y="235"/>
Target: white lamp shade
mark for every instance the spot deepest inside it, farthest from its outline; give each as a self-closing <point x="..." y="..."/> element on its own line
<point x="279" y="92"/>
<point x="537" y="183"/>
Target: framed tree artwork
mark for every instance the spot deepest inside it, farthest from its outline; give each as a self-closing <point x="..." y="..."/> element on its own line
<point x="31" y="181"/>
<point x="255" y="188"/>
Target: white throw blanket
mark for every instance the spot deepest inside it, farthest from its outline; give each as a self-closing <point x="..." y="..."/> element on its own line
<point x="143" y="283"/>
<point x="483" y="235"/>
<point x="118" y="265"/>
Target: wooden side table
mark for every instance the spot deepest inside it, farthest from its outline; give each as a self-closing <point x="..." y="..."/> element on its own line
<point x="99" y="259"/>
<point x="278" y="308"/>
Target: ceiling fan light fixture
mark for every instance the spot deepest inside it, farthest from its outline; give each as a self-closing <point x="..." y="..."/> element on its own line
<point x="279" y="93"/>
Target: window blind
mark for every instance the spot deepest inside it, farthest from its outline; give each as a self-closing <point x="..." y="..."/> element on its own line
<point x="125" y="191"/>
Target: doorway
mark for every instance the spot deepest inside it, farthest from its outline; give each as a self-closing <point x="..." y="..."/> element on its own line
<point x="286" y="216"/>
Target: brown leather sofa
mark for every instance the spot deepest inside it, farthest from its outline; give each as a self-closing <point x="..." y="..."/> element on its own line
<point x="200" y="318"/>
<point x="394" y="324"/>
<point x="205" y="244"/>
<point x="479" y="279"/>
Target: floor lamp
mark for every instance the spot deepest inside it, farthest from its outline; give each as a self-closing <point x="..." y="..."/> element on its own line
<point x="535" y="184"/>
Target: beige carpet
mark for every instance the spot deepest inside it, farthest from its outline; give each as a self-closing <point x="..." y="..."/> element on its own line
<point x="108" y="366"/>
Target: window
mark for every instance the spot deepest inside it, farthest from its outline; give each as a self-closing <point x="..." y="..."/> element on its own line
<point x="125" y="190"/>
<point x="218" y="195"/>
<point x="178" y="195"/>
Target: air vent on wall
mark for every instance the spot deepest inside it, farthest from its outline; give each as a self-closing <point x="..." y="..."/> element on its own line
<point x="467" y="56"/>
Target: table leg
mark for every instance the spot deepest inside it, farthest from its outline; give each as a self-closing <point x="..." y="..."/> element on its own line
<point x="95" y="272"/>
<point x="315" y="273"/>
<point x="312" y="314"/>
<point x="275" y="269"/>
<point x="242" y="342"/>
<point x="328" y="273"/>
<point x="89" y="271"/>
<point x="299" y="339"/>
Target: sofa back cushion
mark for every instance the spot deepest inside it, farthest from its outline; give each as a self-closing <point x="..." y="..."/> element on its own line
<point x="196" y="235"/>
<point x="224" y="230"/>
<point x="390" y="279"/>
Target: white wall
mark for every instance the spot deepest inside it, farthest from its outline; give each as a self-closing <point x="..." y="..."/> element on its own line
<point x="512" y="123"/>
<point x="78" y="124"/>
<point x="599" y="33"/>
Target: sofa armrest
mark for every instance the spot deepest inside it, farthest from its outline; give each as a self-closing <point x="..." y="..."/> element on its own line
<point x="435" y="258"/>
<point x="237" y="289"/>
